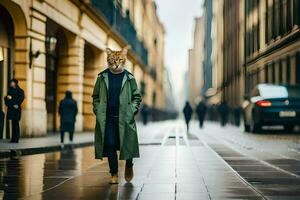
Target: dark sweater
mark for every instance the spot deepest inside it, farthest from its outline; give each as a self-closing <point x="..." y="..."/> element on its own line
<point x="115" y="83"/>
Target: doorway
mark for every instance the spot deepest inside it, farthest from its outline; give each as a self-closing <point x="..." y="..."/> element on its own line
<point x="6" y="61"/>
<point x="56" y="52"/>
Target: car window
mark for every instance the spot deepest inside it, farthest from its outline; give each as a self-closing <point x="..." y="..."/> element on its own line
<point x="273" y="91"/>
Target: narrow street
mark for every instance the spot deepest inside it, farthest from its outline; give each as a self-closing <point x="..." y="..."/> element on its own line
<point x="211" y="163"/>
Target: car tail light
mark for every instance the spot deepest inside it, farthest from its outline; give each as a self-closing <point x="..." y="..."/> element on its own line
<point x="264" y="103"/>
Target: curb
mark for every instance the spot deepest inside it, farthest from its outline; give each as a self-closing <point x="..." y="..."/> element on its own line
<point x="37" y="150"/>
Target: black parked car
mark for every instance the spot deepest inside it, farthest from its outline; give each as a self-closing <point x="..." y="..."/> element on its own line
<point x="270" y="104"/>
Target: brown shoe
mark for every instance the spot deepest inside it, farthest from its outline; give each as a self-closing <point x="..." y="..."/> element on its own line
<point x="114" y="179"/>
<point x="128" y="173"/>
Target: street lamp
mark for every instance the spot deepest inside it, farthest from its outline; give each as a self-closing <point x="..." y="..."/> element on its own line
<point x="51" y="43"/>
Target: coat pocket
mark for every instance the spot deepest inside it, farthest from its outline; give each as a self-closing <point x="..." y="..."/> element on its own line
<point x="131" y="128"/>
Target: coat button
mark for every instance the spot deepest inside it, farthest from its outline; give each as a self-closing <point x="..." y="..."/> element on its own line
<point x="128" y="103"/>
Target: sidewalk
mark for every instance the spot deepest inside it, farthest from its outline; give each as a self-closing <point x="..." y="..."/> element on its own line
<point x="28" y="146"/>
<point x="51" y="142"/>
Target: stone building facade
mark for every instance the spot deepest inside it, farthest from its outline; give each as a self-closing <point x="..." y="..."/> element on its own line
<point x="272" y="42"/>
<point x="52" y="46"/>
<point x="217" y="53"/>
<point x="195" y="70"/>
<point x="207" y="64"/>
<point x="233" y="61"/>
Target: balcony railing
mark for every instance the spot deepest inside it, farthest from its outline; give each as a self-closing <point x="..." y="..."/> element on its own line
<point x="122" y="24"/>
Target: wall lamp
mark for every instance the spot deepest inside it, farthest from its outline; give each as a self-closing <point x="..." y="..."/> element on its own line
<point x="33" y="55"/>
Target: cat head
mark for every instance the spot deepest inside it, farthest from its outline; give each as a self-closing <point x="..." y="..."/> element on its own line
<point x="116" y="59"/>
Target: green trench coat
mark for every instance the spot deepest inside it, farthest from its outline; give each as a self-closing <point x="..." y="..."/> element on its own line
<point x="130" y="99"/>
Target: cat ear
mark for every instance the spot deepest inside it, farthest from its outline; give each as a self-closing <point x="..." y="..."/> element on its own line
<point x="125" y="49"/>
<point x="108" y="51"/>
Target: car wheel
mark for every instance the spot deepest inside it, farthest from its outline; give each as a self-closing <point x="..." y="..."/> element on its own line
<point x="289" y="128"/>
<point x="255" y="127"/>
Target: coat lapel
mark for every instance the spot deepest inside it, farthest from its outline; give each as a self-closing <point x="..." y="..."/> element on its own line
<point x="124" y="80"/>
<point x="105" y="77"/>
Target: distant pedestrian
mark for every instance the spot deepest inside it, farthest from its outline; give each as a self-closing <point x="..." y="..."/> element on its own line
<point x="2" y="116"/>
<point x="13" y="101"/>
<point x="145" y="113"/>
<point x="201" y="111"/>
<point x="223" y="111"/>
<point x="67" y="111"/>
<point x="115" y="108"/>
<point x="237" y="115"/>
<point x="187" y="111"/>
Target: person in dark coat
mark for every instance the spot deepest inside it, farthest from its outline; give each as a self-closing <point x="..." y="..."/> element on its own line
<point x="187" y="111"/>
<point x="201" y="111"/>
<point x="145" y="113"/>
<point x="1" y="123"/>
<point x="13" y="101"/>
<point x="67" y="111"/>
<point x="223" y="111"/>
<point x="237" y="115"/>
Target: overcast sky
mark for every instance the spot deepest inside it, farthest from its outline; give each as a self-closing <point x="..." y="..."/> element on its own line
<point x="178" y="19"/>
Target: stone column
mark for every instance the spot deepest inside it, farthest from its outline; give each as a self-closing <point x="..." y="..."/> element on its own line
<point x="91" y="70"/>
<point x="38" y="116"/>
<point x="30" y="71"/>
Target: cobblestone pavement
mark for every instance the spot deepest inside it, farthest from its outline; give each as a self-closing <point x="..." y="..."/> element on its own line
<point x="209" y="163"/>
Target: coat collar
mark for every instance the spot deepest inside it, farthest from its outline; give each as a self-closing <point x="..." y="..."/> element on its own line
<point x="104" y="75"/>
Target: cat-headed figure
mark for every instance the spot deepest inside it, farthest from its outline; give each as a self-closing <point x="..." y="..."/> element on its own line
<point x="116" y="59"/>
<point x="116" y="101"/>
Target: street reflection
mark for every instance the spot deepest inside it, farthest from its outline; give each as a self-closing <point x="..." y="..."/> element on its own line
<point x="31" y="175"/>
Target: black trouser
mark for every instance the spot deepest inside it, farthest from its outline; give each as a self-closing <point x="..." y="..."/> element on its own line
<point x="145" y="119"/>
<point x="1" y="124"/>
<point x="112" y="141"/>
<point x="201" y="120"/>
<point x="62" y="136"/>
<point x="15" y="130"/>
<point x="113" y="161"/>
<point x="187" y="124"/>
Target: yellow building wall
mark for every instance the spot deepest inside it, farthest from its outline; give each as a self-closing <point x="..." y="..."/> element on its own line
<point x="81" y="29"/>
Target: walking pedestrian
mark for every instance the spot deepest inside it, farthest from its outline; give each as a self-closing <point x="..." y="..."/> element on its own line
<point x="187" y="111"/>
<point x="2" y="116"/>
<point x="13" y="101"/>
<point x="116" y="101"/>
<point x="67" y="111"/>
<point x="201" y="111"/>
<point x="237" y="116"/>
<point x="145" y="113"/>
<point x="223" y="111"/>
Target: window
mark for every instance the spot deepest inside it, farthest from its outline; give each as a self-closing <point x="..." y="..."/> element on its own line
<point x="273" y="20"/>
<point x="281" y="19"/>
<point x="280" y="71"/>
<point x="266" y="23"/>
<point x="297" y="67"/>
<point x="270" y="21"/>
<point x="288" y="69"/>
<point x="254" y="33"/>
<point x="273" y="73"/>
<point x="271" y="91"/>
<point x="289" y="14"/>
<point x="266" y="74"/>
<point x="258" y="38"/>
<point x="296" y="8"/>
